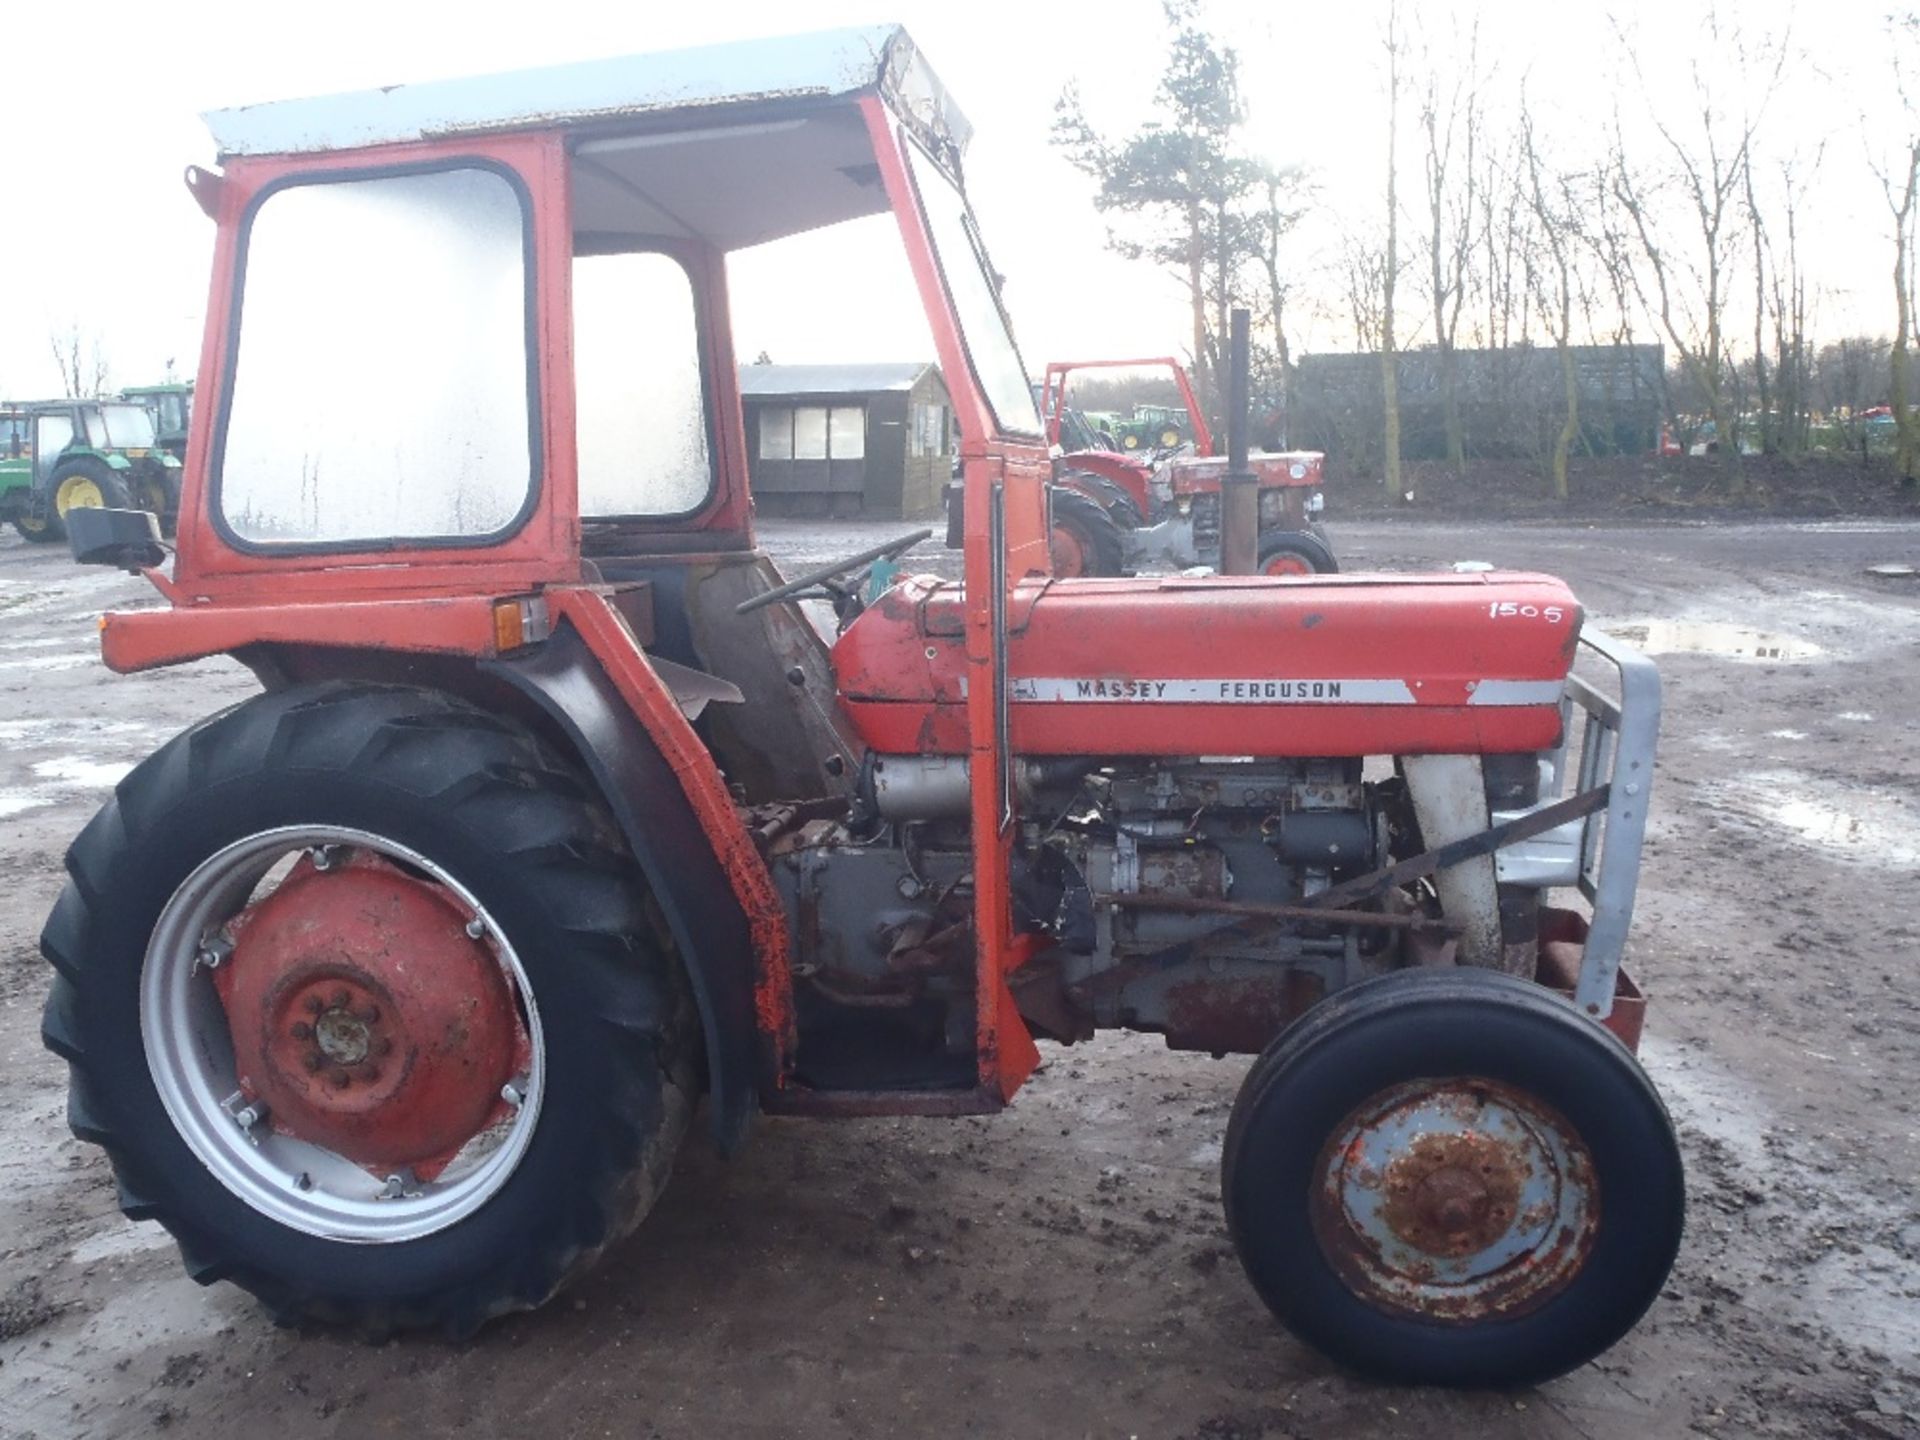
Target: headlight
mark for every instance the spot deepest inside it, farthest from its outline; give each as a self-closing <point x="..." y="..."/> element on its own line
<point x="1316" y="502"/>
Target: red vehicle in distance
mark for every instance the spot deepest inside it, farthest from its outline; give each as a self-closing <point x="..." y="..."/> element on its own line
<point x="1115" y="512"/>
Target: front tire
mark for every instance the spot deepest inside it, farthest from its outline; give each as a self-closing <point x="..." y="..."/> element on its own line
<point x="360" y="907"/>
<point x="1451" y="1177"/>
<point x="1295" y="552"/>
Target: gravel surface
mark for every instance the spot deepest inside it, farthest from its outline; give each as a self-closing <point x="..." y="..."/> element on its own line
<point x="1062" y="1269"/>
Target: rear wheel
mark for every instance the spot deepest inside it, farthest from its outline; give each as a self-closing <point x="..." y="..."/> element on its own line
<point x="87" y="482"/>
<point x="155" y="491"/>
<point x="1451" y="1177"/>
<point x="367" y="1003"/>
<point x="1295" y="552"/>
<point x="1130" y="440"/>
<point x="1169" y="438"/>
<point x="1084" y="539"/>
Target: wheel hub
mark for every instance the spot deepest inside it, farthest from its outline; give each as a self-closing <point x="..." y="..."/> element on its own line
<point x="365" y="1016"/>
<point x="1461" y="1199"/>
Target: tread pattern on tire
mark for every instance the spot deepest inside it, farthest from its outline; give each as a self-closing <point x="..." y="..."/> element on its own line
<point x="481" y="773"/>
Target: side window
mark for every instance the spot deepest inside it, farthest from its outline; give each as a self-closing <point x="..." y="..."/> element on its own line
<point x="52" y="434"/>
<point x="776" y="432"/>
<point x="382" y="385"/>
<point x="810" y="432"/>
<point x="847" y="433"/>
<point x="639" y="404"/>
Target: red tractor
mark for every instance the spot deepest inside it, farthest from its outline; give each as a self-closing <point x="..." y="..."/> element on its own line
<point x="391" y="991"/>
<point x="1117" y="511"/>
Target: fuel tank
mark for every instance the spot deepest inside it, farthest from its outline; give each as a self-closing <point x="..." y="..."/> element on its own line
<point x="1337" y="665"/>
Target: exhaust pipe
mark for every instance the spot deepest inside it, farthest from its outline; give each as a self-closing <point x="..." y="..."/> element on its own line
<point x="1239" y="489"/>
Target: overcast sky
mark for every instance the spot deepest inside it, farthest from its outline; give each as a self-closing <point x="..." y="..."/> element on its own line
<point x="102" y="233"/>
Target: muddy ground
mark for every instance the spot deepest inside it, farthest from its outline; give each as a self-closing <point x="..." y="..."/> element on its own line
<point x="1062" y="1270"/>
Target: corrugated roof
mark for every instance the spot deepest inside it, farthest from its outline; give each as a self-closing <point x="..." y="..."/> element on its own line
<point x="862" y="379"/>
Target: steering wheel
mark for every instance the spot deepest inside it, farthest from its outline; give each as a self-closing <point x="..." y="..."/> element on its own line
<point x="827" y="574"/>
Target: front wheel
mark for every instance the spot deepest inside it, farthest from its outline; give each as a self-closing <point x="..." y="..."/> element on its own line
<point x="1451" y="1177"/>
<point x="368" y="1004"/>
<point x="1295" y="552"/>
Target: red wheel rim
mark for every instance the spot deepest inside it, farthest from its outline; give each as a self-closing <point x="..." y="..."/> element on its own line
<point x="368" y="1017"/>
<point x="1287" y="563"/>
<point x="1072" y="554"/>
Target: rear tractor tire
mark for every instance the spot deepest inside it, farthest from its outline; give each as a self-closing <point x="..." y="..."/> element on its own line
<point x="367" y="1002"/>
<point x="1085" y="539"/>
<point x="158" y="492"/>
<point x="86" y="482"/>
<point x="1452" y="1177"/>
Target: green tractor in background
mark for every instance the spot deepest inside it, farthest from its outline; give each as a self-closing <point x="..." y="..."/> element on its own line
<point x="60" y="455"/>
<point x="1153" y="427"/>
<point x="171" y="406"/>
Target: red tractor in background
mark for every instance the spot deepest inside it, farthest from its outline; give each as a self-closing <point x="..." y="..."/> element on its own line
<point x="391" y="991"/>
<point x="1117" y="511"/>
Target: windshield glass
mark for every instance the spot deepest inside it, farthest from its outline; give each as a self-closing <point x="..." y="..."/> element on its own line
<point x="975" y="294"/>
<point x="126" y="427"/>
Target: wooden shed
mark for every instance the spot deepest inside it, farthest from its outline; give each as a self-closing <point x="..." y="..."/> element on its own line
<point x="839" y="441"/>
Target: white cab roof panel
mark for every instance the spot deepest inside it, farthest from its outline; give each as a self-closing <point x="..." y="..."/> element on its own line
<point x="818" y="66"/>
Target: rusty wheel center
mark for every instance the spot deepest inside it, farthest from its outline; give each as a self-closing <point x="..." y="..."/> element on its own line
<point x="1457" y="1199"/>
<point x="343" y="1037"/>
<point x="366" y="1018"/>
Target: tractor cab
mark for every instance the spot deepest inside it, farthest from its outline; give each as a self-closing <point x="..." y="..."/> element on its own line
<point x="171" y="406"/>
<point x="391" y="990"/>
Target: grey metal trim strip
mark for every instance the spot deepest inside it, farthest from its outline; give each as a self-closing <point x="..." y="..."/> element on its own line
<point x="1633" y="728"/>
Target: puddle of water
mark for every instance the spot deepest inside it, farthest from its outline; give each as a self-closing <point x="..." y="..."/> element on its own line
<point x="1786" y="734"/>
<point x="1851" y="1294"/>
<point x="1860" y="716"/>
<point x="19" y="804"/>
<point x="1871" y="827"/>
<point x="100" y="774"/>
<point x="1708" y="637"/>
<point x="49" y="662"/>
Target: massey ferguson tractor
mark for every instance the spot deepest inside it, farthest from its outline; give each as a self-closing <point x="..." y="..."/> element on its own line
<point x="392" y="991"/>
<point x="1115" y="512"/>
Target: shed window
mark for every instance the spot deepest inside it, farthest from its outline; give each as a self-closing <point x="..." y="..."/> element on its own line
<point x="776" y="432"/>
<point x="813" y="432"/>
<point x="930" y="426"/>
<point x="847" y="433"/>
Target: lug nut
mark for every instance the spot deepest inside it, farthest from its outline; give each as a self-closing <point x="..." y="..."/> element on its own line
<point x="341" y="999"/>
<point x="301" y="1030"/>
<point x="314" y="1005"/>
<point x="341" y="1079"/>
<point x="368" y="1016"/>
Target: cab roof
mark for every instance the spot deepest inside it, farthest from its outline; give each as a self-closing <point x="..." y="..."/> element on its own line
<point x="799" y="70"/>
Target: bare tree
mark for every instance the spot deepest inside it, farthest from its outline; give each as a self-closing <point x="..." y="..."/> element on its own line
<point x="1688" y="248"/>
<point x="1900" y="183"/>
<point x="82" y="361"/>
<point x="1390" y="267"/>
<point x="1451" y="126"/>
<point x="1554" y="285"/>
